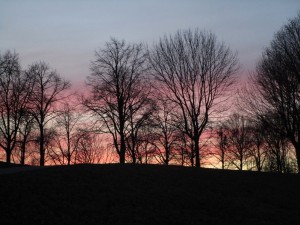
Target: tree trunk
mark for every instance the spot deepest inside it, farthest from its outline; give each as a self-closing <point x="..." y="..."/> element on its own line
<point x="69" y="148"/>
<point x="258" y="159"/>
<point x="122" y="148"/>
<point x="42" y="150"/>
<point x="8" y="156"/>
<point x="122" y="157"/>
<point x="23" y="149"/>
<point x="241" y="161"/>
<point x="167" y="156"/>
<point x="223" y="163"/>
<point x="69" y="159"/>
<point x="133" y="157"/>
<point x="197" y="151"/>
<point x="8" y="149"/>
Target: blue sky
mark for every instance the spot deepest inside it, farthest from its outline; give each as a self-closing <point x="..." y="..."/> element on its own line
<point x="66" y="33"/>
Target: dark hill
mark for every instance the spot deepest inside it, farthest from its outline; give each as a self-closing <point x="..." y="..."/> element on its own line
<point x="140" y="194"/>
<point x="9" y="165"/>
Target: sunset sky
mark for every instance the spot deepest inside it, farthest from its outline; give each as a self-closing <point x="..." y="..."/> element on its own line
<point x="66" y="33"/>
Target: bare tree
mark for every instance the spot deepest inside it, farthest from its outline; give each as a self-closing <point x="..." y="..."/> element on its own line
<point x="194" y="71"/>
<point x="50" y="136"/>
<point x="147" y="148"/>
<point x="165" y="132"/>
<point x="119" y="89"/>
<point x="14" y="91"/>
<point x="139" y="117"/>
<point x="238" y="140"/>
<point x="25" y="134"/>
<point x="67" y="126"/>
<point x="88" y="148"/>
<point x="257" y="149"/>
<point x="278" y="152"/>
<point x="277" y="82"/>
<point x="220" y="144"/>
<point x="185" y="153"/>
<point x="48" y="90"/>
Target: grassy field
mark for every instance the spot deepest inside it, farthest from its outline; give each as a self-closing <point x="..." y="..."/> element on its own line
<point x="147" y="194"/>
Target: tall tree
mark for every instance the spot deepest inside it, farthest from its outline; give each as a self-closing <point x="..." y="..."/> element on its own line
<point x="14" y="91"/>
<point x="48" y="90"/>
<point x="277" y="81"/>
<point x="193" y="70"/>
<point x="119" y="89"/>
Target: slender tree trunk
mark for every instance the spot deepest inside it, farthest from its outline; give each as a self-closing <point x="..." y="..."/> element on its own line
<point x="23" y="149"/>
<point x="69" y="150"/>
<point x="122" y="148"/>
<point x="122" y="135"/>
<point x="167" y="156"/>
<point x="146" y="157"/>
<point x="241" y="161"/>
<point x="192" y="158"/>
<point x="278" y="160"/>
<point x="132" y="149"/>
<point x="223" y="160"/>
<point x="69" y="156"/>
<point x="133" y="157"/>
<point x="258" y="159"/>
<point x="42" y="150"/>
<point x="8" y="145"/>
<point x="258" y="165"/>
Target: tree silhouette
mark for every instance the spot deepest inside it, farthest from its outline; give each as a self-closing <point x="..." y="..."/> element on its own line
<point x="220" y="145"/>
<point x="165" y="132"/>
<point x="88" y="148"/>
<point x="194" y="71"/>
<point x="277" y="81"/>
<point x="138" y="119"/>
<point x="238" y="128"/>
<point x="25" y="134"/>
<point x="257" y="150"/>
<point x="48" y="90"/>
<point x="119" y="90"/>
<point x="14" y="92"/>
<point x="67" y="129"/>
<point x="278" y="150"/>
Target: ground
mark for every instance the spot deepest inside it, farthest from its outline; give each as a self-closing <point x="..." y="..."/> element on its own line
<point x="147" y="194"/>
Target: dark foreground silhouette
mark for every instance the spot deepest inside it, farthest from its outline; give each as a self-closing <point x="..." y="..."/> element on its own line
<point x="147" y="194"/>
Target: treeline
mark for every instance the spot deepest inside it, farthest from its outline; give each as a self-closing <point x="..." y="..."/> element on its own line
<point x="175" y="102"/>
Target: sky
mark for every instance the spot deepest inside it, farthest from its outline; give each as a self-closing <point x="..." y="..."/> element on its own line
<point x="66" y="33"/>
